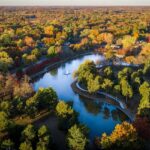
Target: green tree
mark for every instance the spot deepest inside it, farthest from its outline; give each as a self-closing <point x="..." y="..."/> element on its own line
<point x="117" y="89"/>
<point x="36" y="52"/>
<point x="41" y="146"/>
<point x="76" y="139"/>
<point x="5" y="106"/>
<point x="93" y="85"/>
<point x="108" y="72"/>
<point x="29" y="133"/>
<point x="32" y="106"/>
<point x="124" y="74"/>
<point x="25" y="146"/>
<point x="126" y="89"/>
<point x="63" y="109"/>
<point x="144" y="106"/>
<point x="67" y="116"/>
<point x="146" y="70"/>
<point x="44" y="135"/>
<point x="7" y="144"/>
<point x="4" y="121"/>
<point x="85" y="71"/>
<point x="107" y="84"/>
<point x="51" y="51"/>
<point x="5" y="61"/>
<point x="47" y="98"/>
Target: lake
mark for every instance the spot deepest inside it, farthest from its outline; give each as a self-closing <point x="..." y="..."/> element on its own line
<point x="98" y="116"/>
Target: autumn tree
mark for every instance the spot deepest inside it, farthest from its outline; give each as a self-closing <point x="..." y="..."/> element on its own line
<point x="128" y="41"/>
<point x="124" y="136"/>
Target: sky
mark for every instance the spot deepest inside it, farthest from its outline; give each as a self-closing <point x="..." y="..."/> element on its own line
<point x="73" y="2"/>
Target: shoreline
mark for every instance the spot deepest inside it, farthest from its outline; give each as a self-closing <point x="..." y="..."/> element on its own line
<point x="57" y="64"/>
<point x="85" y="94"/>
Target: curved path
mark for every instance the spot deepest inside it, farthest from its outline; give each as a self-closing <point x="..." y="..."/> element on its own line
<point x="122" y="106"/>
<point x="119" y="63"/>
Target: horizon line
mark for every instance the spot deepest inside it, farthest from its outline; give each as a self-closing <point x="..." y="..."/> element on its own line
<point x="74" y="5"/>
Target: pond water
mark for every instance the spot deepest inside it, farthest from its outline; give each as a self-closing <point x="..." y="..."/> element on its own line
<point x="98" y="116"/>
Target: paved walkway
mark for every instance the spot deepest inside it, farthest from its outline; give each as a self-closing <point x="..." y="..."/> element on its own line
<point x="117" y="63"/>
<point x="122" y="106"/>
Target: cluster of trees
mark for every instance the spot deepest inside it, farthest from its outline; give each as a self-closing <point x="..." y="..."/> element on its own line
<point x="18" y="99"/>
<point x="32" y="138"/>
<point x="128" y="83"/>
<point x="28" y="37"/>
<point x="125" y="82"/>
<point x="68" y="121"/>
<point x="88" y="75"/>
<point x="28" y="138"/>
<point x="124" y="137"/>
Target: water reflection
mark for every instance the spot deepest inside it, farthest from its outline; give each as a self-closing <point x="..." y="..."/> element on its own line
<point x="54" y="72"/>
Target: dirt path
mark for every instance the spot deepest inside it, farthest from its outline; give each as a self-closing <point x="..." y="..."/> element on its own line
<point x="58" y="136"/>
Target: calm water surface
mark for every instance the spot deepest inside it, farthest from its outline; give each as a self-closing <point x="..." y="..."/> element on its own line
<point x="97" y="116"/>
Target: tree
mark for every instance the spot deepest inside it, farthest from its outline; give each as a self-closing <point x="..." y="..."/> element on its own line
<point x="44" y="134"/>
<point x="23" y="89"/>
<point x="31" y="58"/>
<point x="108" y="72"/>
<point x="67" y="116"/>
<point x="107" y="84"/>
<point x="144" y="106"/>
<point x="25" y="146"/>
<point x="126" y="89"/>
<point x="110" y="55"/>
<point x="51" y="51"/>
<point x="125" y="73"/>
<point x="36" y="52"/>
<point x="146" y="69"/>
<point x="5" y="61"/>
<point x="4" y="122"/>
<point x="5" y="106"/>
<point x="7" y="144"/>
<point x="29" y="41"/>
<point x="32" y="106"/>
<point x="76" y="138"/>
<point x="124" y="136"/>
<point x="63" y="109"/>
<point x="85" y="71"/>
<point x="93" y="85"/>
<point x="47" y="98"/>
<point x="28" y="133"/>
<point x="117" y="89"/>
<point x="128" y="41"/>
<point x="41" y="146"/>
<point x="44" y="138"/>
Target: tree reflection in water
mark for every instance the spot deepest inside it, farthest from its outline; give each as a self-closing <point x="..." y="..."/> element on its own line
<point x="53" y="72"/>
<point x="91" y="106"/>
<point x="106" y="113"/>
